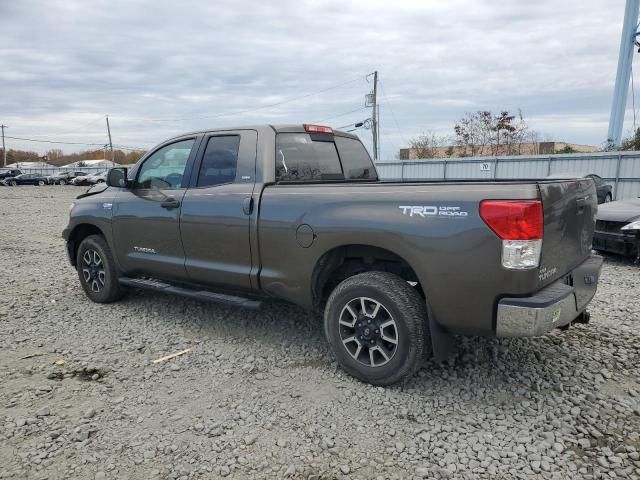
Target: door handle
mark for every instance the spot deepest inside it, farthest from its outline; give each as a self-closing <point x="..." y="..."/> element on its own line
<point x="247" y="205"/>
<point x="170" y="203"/>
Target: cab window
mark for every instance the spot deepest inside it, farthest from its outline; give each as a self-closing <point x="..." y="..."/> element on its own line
<point x="220" y="161"/>
<point x="300" y="158"/>
<point x="164" y="169"/>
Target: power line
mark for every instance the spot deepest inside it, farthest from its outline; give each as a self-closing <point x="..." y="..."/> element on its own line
<point x="261" y="107"/>
<point x="393" y="115"/>
<point x="54" y="141"/>
<point x="133" y="149"/>
<point x="122" y="147"/>
<point x="92" y="122"/>
<point x="341" y="115"/>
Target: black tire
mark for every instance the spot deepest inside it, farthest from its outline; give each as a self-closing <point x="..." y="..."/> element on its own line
<point x="41" y="183"/>
<point x="62" y="182"/>
<point x="100" y="284"/>
<point x="401" y="304"/>
<point x="12" y="183"/>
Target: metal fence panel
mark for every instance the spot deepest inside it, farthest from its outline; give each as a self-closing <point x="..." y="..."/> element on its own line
<point x="390" y="170"/>
<point x="620" y="169"/>
<point x="432" y="170"/>
<point x="628" y="189"/>
<point x="517" y="169"/>
<point x="603" y="166"/>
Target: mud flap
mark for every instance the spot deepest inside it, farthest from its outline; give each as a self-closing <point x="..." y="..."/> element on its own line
<point x="444" y="344"/>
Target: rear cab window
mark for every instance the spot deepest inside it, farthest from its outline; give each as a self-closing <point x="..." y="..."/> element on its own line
<point x="304" y="157"/>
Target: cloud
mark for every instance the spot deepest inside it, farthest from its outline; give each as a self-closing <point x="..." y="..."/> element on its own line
<point x="64" y="65"/>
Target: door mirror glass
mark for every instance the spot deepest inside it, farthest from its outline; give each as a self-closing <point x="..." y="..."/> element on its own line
<point x="117" y="177"/>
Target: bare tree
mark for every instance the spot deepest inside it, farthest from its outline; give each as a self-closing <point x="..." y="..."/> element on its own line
<point x="482" y="133"/>
<point x="428" y="145"/>
<point x="533" y="138"/>
<point x="473" y="132"/>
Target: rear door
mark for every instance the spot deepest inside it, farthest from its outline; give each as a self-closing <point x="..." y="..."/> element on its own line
<point x="570" y="208"/>
<point x="146" y="217"/>
<point x="217" y="210"/>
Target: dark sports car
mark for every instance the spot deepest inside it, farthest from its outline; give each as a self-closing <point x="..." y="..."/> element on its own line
<point x="618" y="228"/>
<point x="603" y="189"/>
<point x="26" y="179"/>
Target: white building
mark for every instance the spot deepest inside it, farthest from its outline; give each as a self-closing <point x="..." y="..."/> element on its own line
<point x="29" y="165"/>
<point x="91" y="164"/>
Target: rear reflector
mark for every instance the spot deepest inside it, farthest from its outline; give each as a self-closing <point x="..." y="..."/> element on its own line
<point x="513" y="219"/>
<point x="317" y="129"/>
<point x="519" y="223"/>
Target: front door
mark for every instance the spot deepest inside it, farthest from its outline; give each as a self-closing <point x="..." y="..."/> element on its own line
<point x="146" y="217"/>
<point x="217" y="211"/>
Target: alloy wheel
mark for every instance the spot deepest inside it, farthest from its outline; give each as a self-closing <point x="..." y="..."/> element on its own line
<point x="93" y="270"/>
<point x="368" y="331"/>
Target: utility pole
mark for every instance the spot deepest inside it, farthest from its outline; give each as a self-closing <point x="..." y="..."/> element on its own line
<point x="625" y="60"/>
<point x="4" y="150"/>
<point x="113" y="162"/>
<point x="374" y="116"/>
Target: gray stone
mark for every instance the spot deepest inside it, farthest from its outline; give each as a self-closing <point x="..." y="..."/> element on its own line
<point x="43" y="412"/>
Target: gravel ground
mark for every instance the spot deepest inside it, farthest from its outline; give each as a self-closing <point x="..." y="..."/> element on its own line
<point x="259" y="396"/>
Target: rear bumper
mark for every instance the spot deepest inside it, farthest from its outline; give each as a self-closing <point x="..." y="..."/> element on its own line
<point x="620" y="243"/>
<point x="554" y="306"/>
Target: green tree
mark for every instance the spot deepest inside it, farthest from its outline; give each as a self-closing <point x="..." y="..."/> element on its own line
<point x="567" y="149"/>
<point x="632" y="142"/>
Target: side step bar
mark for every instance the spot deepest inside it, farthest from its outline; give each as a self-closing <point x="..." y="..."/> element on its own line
<point x="149" y="284"/>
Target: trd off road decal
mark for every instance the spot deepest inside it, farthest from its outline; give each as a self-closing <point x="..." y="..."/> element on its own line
<point x="433" y="211"/>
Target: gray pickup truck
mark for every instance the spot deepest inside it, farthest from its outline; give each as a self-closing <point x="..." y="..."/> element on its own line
<point x="298" y="213"/>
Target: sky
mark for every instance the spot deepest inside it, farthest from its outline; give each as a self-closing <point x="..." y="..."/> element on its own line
<point x="160" y="68"/>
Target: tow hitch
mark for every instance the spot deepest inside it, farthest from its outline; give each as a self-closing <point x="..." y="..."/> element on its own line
<point x="584" y="317"/>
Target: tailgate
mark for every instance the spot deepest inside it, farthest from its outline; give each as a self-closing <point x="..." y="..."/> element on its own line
<point x="570" y="208"/>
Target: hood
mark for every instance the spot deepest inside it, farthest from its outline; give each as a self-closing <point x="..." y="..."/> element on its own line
<point x="621" y="211"/>
<point x="98" y="188"/>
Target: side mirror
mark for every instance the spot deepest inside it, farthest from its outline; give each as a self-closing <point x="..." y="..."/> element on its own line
<point x="117" y="177"/>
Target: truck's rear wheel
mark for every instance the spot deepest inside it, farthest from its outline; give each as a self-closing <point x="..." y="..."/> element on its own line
<point x="97" y="270"/>
<point x="376" y="324"/>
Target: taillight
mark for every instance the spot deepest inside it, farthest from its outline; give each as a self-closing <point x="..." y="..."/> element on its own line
<point x="519" y="224"/>
<point x="317" y="129"/>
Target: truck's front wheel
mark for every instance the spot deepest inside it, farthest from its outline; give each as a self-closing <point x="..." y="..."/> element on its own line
<point x="97" y="270"/>
<point x="376" y="324"/>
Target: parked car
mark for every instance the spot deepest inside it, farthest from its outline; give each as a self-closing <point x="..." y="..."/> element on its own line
<point x="8" y="172"/>
<point x="618" y="228"/>
<point x="90" y="178"/>
<point x="603" y="189"/>
<point x="297" y="213"/>
<point x="80" y="180"/>
<point x="97" y="178"/>
<point x="64" y="178"/>
<point x="26" y="179"/>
